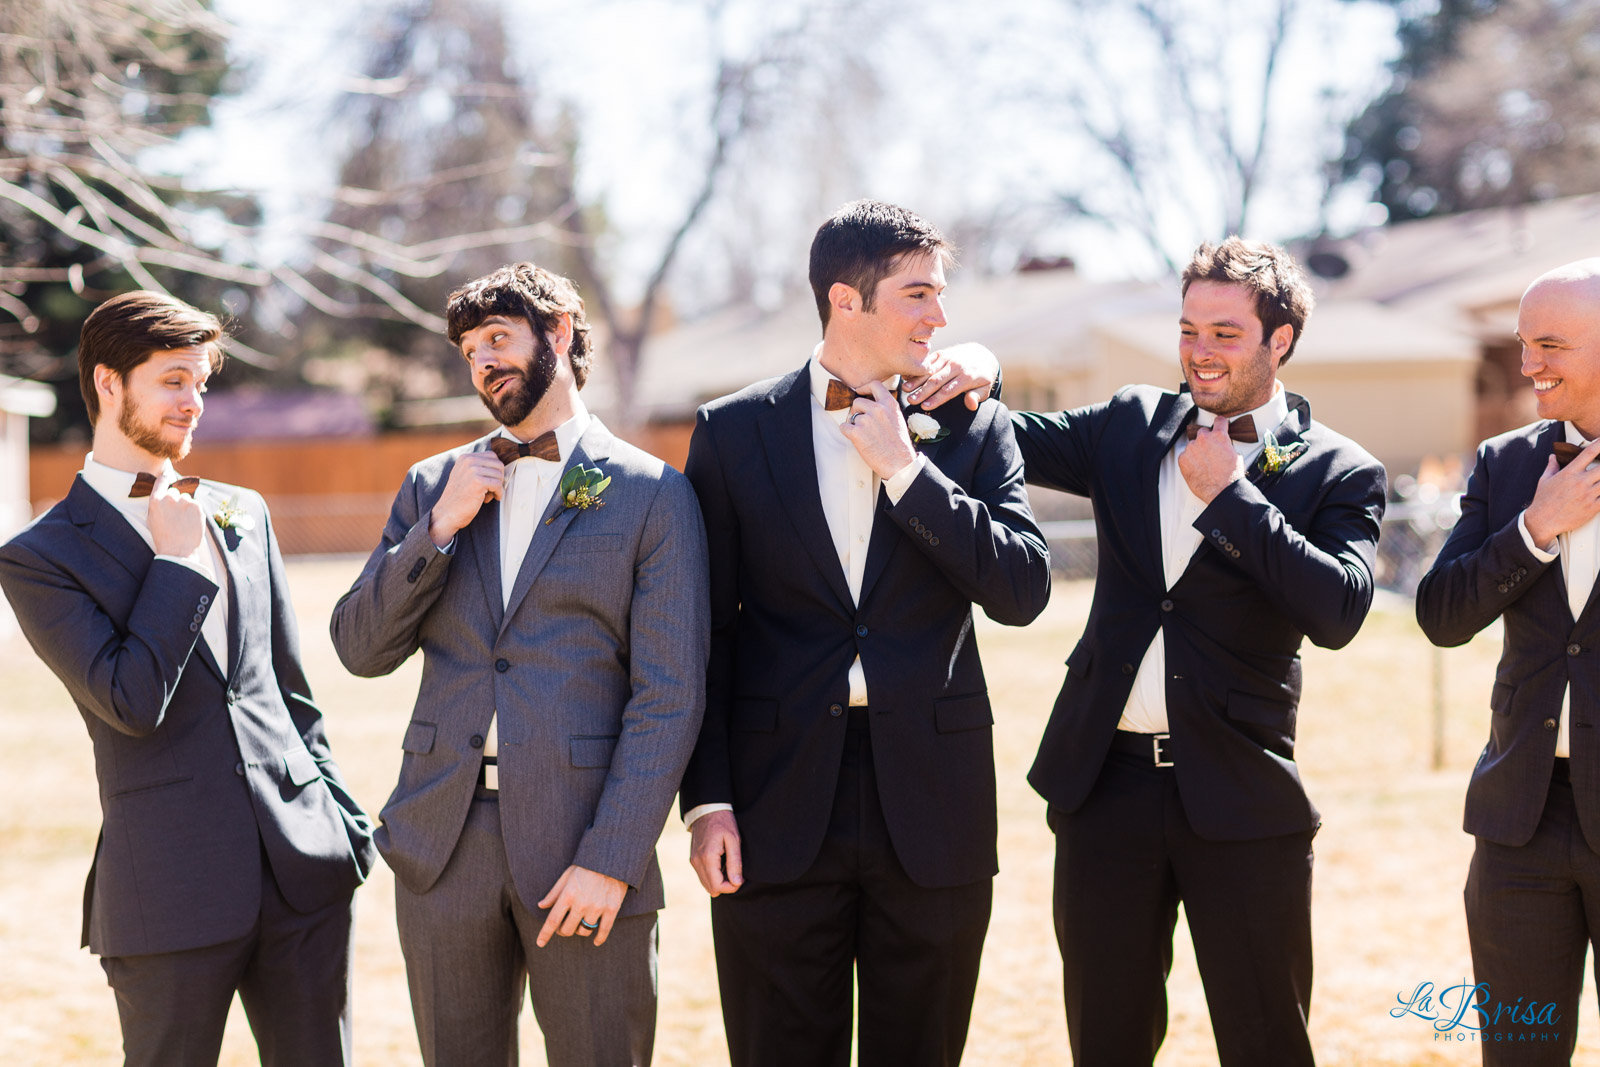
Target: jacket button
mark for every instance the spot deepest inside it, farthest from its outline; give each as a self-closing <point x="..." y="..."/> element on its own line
<point x="1574" y="649"/>
<point x="238" y="768"/>
<point x="835" y="710"/>
<point x="915" y="521"/>
<point x="933" y="541"/>
<point x="1549" y="724"/>
<point x="1217" y="534"/>
<point x="233" y="697"/>
<point x="502" y="666"/>
<point x="1127" y="668"/>
<point x="1522" y="572"/>
<point x="1503" y="587"/>
<point x="476" y="741"/>
<point x="194" y="627"/>
<point x="205" y="598"/>
<point x="1234" y="552"/>
<point x="861" y="631"/>
<point x="1166" y="605"/>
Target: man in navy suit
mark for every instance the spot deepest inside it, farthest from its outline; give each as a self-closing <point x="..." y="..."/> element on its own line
<point x="230" y="849"/>
<point x="1526" y="551"/>
<point x="842" y="793"/>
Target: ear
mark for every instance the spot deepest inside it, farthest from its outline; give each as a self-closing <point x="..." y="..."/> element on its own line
<point x="1280" y="341"/>
<point x="844" y="299"/>
<point x="560" y="335"/>
<point x="107" y="385"/>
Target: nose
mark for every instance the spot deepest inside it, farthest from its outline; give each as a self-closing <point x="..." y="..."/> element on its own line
<point x="937" y="319"/>
<point x="193" y="401"/>
<point x="1532" y="363"/>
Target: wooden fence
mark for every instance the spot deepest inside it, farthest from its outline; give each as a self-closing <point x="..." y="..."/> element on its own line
<point x="327" y="495"/>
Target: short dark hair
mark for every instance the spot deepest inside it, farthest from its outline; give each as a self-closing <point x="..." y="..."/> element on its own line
<point x="527" y="292"/>
<point x="128" y="329"/>
<point x="863" y="243"/>
<point x="1283" y="295"/>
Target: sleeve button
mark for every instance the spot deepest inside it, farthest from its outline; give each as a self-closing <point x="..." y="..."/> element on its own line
<point x="502" y="665"/>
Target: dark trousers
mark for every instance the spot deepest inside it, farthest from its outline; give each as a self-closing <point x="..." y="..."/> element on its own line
<point x="470" y="948"/>
<point x="1531" y="913"/>
<point x="1124" y="861"/>
<point x="292" y="974"/>
<point x="786" y="952"/>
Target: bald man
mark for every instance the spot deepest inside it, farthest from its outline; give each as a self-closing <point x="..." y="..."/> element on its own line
<point x="1527" y="550"/>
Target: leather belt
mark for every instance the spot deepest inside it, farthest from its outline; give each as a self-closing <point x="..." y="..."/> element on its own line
<point x="1157" y="748"/>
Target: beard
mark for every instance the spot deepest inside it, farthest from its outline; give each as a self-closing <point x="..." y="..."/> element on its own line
<point x="526" y="388"/>
<point x="1248" y="382"/>
<point x="147" y="435"/>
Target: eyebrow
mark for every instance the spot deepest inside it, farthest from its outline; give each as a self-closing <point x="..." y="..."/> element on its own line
<point x="1549" y="338"/>
<point x="1231" y="324"/>
<point x="916" y="285"/>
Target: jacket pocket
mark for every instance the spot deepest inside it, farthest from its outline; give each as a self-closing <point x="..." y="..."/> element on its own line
<point x="419" y="738"/>
<point x="145" y="787"/>
<point x="591" y="543"/>
<point x="1082" y="656"/>
<point x="300" y="765"/>
<point x="1261" y="711"/>
<point x="754" y="714"/>
<point x="593" y="751"/>
<point x="1500" y="698"/>
<point x="970" y="712"/>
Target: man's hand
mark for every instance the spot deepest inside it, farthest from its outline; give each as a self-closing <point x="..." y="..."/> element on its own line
<point x="968" y="369"/>
<point x="1209" y="463"/>
<point x="476" y="477"/>
<point x="1567" y="497"/>
<point x="713" y="839"/>
<point x="581" y="895"/>
<point x="177" y="523"/>
<point x="878" y="431"/>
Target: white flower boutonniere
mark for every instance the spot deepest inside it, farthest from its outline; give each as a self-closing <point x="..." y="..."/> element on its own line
<point x="581" y="488"/>
<point x="231" y="516"/>
<point x="925" y="429"/>
<point x="1275" y="458"/>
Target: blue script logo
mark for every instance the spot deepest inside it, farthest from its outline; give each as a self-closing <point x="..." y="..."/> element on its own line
<point x="1463" y="1010"/>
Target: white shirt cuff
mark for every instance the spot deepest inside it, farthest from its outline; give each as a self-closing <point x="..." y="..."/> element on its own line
<point x="898" y="482"/>
<point x="698" y="810"/>
<point x="1542" y="554"/>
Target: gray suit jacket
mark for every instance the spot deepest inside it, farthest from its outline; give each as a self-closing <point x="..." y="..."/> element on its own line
<point x="201" y="766"/>
<point x="597" y="670"/>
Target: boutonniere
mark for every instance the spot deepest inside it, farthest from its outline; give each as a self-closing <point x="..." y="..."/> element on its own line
<point x="581" y="488"/>
<point x="231" y="516"/>
<point x="1274" y="457"/>
<point x="925" y="429"/>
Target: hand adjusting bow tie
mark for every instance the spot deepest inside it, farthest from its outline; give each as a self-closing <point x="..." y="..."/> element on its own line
<point x="1240" y="429"/>
<point x="1566" y="452"/>
<point x="841" y="396"/>
<point x="145" y="484"/>
<point x="542" y="447"/>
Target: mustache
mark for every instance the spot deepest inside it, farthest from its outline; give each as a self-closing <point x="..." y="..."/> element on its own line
<point x="499" y="376"/>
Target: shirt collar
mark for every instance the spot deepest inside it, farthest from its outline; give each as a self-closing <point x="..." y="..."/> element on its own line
<point x="1268" y="416"/>
<point x="568" y="434"/>
<point x="114" y="484"/>
<point x="820" y="377"/>
<point x="1573" y="436"/>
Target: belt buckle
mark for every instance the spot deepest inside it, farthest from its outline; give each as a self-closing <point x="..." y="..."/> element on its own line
<point x="1156" y="741"/>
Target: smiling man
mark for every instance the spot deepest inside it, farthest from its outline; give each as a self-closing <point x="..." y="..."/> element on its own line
<point x="1231" y="527"/>
<point x="1533" y="889"/>
<point x="229" y="849"/>
<point x="842" y="794"/>
<point x="563" y="629"/>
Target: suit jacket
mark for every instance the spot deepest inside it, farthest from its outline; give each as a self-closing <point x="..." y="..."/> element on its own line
<point x="1486" y="572"/>
<point x="785" y="632"/>
<point x="202" y="766"/>
<point x="1284" y="556"/>
<point x="597" y="669"/>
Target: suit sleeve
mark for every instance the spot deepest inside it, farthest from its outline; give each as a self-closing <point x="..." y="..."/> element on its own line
<point x="1321" y="579"/>
<point x="668" y="642"/>
<point x="1478" y="573"/>
<point x="708" y="778"/>
<point x="1058" y="447"/>
<point x="124" y="675"/>
<point x="983" y="538"/>
<point x="375" y="626"/>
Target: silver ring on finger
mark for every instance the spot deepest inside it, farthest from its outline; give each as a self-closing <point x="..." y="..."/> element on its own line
<point x="854" y="415"/>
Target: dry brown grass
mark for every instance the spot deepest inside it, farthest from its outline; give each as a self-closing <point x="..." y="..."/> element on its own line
<point x="1390" y="859"/>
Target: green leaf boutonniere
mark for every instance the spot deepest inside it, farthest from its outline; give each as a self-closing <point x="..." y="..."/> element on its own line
<point x="231" y="516"/>
<point x="581" y="488"/>
<point x="1274" y="457"/>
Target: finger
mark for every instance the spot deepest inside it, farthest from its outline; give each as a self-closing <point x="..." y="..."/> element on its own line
<point x="976" y="397"/>
<point x="1591" y="452"/>
<point x="569" y="925"/>
<point x="708" y="865"/>
<point x="879" y="392"/>
<point x="928" y="385"/>
<point x="948" y="391"/>
<point x="555" y="890"/>
<point x="1220" y="426"/>
<point x="608" y="918"/>
<point x="734" y="861"/>
<point x="585" y="930"/>
<point x="551" y="923"/>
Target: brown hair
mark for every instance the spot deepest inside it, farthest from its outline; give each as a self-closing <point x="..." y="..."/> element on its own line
<point x="1283" y="295"/>
<point x="128" y="329"/>
<point x="527" y="292"/>
<point x="863" y="243"/>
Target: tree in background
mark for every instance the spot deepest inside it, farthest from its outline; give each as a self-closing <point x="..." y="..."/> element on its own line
<point x="1491" y="103"/>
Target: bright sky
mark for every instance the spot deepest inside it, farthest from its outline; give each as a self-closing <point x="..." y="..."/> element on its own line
<point x="937" y="143"/>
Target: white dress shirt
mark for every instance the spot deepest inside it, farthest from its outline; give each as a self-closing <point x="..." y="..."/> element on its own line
<point x="206" y="559"/>
<point x="849" y="492"/>
<point x="1146" y="710"/>
<point x="1580" y="561"/>
<point x="530" y="483"/>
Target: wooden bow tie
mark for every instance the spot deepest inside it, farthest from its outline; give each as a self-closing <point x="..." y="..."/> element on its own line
<point x="1240" y="429"/>
<point x="841" y="396"/>
<point x="542" y="447"/>
<point x="145" y="484"/>
<point x="1566" y="452"/>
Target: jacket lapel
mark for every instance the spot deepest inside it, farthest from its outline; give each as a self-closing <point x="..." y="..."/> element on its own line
<point x="786" y="438"/>
<point x="238" y="588"/>
<point x="1288" y="433"/>
<point x="1156" y="447"/>
<point x="592" y="450"/>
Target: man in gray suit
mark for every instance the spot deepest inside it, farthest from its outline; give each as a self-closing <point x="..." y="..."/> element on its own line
<point x="229" y="849"/>
<point x="554" y="578"/>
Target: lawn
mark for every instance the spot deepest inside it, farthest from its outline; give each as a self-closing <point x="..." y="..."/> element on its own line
<point x="1391" y="858"/>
